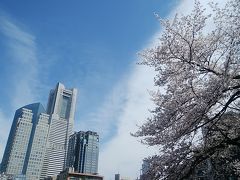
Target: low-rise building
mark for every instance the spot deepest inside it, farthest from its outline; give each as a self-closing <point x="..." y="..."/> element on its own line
<point x="69" y="174"/>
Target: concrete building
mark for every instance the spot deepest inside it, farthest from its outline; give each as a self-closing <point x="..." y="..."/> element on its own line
<point x="117" y="176"/>
<point x="61" y="108"/>
<point x="144" y="170"/>
<point x="26" y="145"/>
<point x="83" y="152"/>
<point x="70" y="174"/>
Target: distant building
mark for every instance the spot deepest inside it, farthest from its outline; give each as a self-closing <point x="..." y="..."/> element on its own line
<point x="83" y="152"/>
<point x="26" y="145"/>
<point x="70" y="174"/>
<point x="145" y="166"/>
<point x="117" y="176"/>
<point x="61" y="108"/>
<point x="144" y="171"/>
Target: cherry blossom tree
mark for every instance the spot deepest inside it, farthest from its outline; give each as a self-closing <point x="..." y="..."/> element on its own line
<point x="198" y="75"/>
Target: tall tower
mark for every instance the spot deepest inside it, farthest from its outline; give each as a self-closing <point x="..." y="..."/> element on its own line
<point x="26" y="145"/>
<point x="61" y="108"/>
<point x="83" y="152"/>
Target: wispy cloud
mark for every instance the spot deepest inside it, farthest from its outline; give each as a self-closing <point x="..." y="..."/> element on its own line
<point x="22" y="50"/>
<point x="124" y="153"/>
<point x="123" y="109"/>
<point x="5" y="127"/>
<point x="22" y="75"/>
<point x="105" y="118"/>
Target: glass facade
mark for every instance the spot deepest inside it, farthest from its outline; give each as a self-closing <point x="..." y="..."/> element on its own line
<point x="83" y="151"/>
<point x="65" y="107"/>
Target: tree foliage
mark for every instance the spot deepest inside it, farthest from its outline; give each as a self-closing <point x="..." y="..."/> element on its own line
<point x="198" y="76"/>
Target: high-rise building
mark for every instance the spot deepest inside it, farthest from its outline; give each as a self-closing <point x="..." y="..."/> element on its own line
<point x="83" y="152"/>
<point x="26" y="145"/>
<point x="117" y="176"/>
<point x="61" y="108"/>
<point x="144" y="171"/>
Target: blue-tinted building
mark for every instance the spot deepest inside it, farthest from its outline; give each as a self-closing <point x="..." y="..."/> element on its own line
<point x="26" y="145"/>
<point x="83" y="151"/>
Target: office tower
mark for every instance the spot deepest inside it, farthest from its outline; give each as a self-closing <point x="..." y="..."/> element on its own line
<point x="145" y="166"/>
<point x="83" y="152"/>
<point x="117" y="176"/>
<point x="61" y="108"/>
<point x="144" y="171"/>
<point x="26" y="145"/>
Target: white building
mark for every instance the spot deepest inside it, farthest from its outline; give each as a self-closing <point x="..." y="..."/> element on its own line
<point x="26" y="145"/>
<point x="61" y="108"/>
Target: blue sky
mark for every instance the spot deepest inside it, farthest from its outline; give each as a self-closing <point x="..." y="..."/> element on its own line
<point x="91" y="45"/>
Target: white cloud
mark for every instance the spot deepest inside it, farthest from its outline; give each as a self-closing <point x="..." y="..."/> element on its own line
<point x="22" y="50"/>
<point x="5" y="127"/>
<point x="106" y="116"/>
<point x="123" y="153"/>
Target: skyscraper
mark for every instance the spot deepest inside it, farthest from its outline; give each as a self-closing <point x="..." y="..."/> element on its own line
<point x="25" y="149"/>
<point x="61" y="108"/>
<point x="117" y="176"/>
<point x="83" y="152"/>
